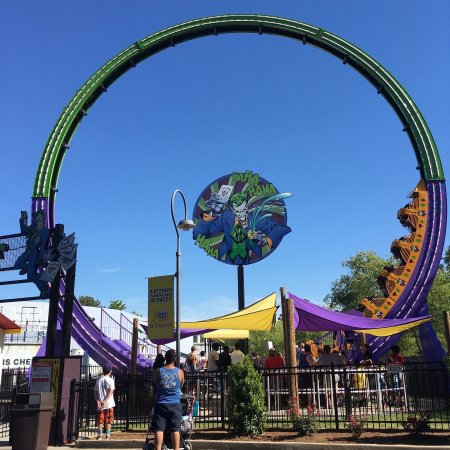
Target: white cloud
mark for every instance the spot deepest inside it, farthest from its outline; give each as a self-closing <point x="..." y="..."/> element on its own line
<point x="111" y="270"/>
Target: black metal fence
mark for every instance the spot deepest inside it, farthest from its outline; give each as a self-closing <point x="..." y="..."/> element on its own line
<point x="7" y="396"/>
<point x="133" y="397"/>
<point x="14" y="381"/>
<point x="384" y="395"/>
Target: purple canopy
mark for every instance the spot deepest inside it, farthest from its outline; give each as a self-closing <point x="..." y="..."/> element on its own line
<point x="311" y="317"/>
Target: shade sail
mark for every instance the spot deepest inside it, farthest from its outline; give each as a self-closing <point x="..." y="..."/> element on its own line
<point x="8" y="326"/>
<point x="311" y="317"/>
<point x="227" y="334"/>
<point x="259" y="316"/>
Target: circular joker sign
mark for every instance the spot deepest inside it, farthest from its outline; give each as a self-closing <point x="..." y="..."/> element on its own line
<point x="240" y="218"/>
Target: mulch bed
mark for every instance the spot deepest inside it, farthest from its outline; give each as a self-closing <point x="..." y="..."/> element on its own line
<point x="387" y="437"/>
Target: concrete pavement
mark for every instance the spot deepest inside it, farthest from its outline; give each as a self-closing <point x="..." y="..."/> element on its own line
<point x="202" y="444"/>
<point x="199" y="444"/>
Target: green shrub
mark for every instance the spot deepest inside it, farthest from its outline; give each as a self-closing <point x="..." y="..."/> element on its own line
<point x="246" y="406"/>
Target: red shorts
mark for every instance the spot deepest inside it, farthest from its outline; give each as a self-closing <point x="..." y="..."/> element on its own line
<point x="106" y="416"/>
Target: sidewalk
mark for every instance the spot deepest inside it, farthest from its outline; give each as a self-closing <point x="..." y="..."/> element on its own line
<point x="5" y="445"/>
<point x="199" y="444"/>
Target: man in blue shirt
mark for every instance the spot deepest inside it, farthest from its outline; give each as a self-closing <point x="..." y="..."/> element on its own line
<point x="168" y="381"/>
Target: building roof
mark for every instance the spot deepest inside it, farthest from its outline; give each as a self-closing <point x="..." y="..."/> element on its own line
<point x="8" y="326"/>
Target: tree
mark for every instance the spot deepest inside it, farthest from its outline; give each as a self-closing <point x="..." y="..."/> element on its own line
<point x="360" y="282"/>
<point x="447" y="259"/>
<point x="117" y="304"/>
<point x="439" y="297"/>
<point x="258" y="339"/>
<point x="349" y="289"/>
<point x="86" y="300"/>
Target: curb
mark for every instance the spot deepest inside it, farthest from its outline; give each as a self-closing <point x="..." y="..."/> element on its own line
<point x="201" y="444"/>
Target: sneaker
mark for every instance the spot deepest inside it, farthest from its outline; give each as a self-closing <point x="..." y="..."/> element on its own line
<point x="99" y="438"/>
<point x="108" y="438"/>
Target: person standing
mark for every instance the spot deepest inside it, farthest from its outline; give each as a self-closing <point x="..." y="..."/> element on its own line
<point x="191" y="360"/>
<point x="269" y="362"/>
<point x="104" y="396"/>
<point x="275" y="360"/>
<point x="395" y="360"/>
<point x="202" y="361"/>
<point x="395" y="357"/>
<point x="306" y="378"/>
<point x="213" y="358"/>
<point x="159" y="361"/>
<point x="213" y="366"/>
<point x="168" y="381"/>
<point x="327" y="358"/>
<point x="236" y="355"/>
<point x="256" y="360"/>
<point x="225" y="358"/>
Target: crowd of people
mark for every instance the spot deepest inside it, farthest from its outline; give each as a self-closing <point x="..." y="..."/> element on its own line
<point x="324" y="355"/>
<point x="216" y="360"/>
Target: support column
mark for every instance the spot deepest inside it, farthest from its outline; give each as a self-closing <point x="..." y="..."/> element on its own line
<point x="287" y="305"/>
<point x="58" y="234"/>
<point x="241" y="303"/>
<point x="66" y="332"/>
<point x="134" y="347"/>
<point x="241" y="288"/>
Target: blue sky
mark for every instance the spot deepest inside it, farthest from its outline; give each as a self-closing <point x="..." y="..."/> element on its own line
<point x="181" y="119"/>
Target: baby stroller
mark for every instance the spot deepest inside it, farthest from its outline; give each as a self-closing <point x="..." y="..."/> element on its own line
<point x="187" y="427"/>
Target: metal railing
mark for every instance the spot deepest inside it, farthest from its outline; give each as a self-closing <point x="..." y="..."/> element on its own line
<point x="17" y="245"/>
<point x="384" y="395"/>
<point x="91" y="371"/>
<point x="35" y="337"/>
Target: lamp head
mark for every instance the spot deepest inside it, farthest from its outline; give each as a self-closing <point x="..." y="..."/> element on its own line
<point x="186" y="225"/>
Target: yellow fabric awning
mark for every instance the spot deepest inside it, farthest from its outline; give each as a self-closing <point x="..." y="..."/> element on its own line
<point x="388" y="331"/>
<point x="259" y="316"/>
<point x="227" y="334"/>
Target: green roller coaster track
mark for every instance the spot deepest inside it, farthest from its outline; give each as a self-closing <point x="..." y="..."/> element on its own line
<point x="414" y="124"/>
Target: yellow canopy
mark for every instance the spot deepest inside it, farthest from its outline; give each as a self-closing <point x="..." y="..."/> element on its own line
<point x="259" y="316"/>
<point x="388" y="331"/>
<point x="227" y="334"/>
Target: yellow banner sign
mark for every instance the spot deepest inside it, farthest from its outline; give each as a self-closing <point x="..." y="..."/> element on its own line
<point x="160" y="307"/>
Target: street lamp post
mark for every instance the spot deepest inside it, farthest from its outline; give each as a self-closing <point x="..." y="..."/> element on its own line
<point x="185" y="225"/>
